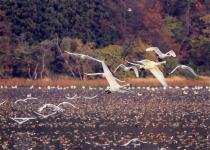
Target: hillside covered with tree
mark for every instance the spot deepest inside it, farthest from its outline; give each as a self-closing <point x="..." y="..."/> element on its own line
<point x="35" y="33"/>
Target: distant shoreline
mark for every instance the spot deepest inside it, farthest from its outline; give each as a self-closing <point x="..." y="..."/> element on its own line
<point x="173" y="81"/>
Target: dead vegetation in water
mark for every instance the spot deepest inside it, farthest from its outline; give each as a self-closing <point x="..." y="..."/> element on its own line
<point x="173" y="81"/>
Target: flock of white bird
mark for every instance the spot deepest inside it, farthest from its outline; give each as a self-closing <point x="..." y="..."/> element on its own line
<point x="146" y="64"/>
<point x="55" y="108"/>
<point x="58" y="108"/>
<point x="114" y="86"/>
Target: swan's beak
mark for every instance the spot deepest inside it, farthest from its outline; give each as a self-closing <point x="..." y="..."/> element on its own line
<point x="107" y="90"/>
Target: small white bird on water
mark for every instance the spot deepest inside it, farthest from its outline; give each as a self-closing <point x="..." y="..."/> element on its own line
<point x="152" y="67"/>
<point x="185" y="68"/>
<point x="161" y="55"/>
<point x="14" y="87"/>
<point x="113" y="85"/>
<point x="73" y="97"/>
<point x="185" y="92"/>
<point x="125" y="68"/>
<point x="21" y="120"/>
<point x="90" y="97"/>
<point x="31" y="87"/>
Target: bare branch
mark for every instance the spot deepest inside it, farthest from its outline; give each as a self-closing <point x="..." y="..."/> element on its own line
<point x="66" y="62"/>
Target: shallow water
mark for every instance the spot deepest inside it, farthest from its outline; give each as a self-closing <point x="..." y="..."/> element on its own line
<point x="159" y="119"/>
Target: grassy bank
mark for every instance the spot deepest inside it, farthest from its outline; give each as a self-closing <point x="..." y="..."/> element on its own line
<point x="174" y="81"/>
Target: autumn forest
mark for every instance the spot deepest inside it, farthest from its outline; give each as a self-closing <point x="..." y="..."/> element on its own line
<point x="35" y="33"/>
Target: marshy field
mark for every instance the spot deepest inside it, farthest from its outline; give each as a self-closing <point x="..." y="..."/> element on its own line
<point x="149" y="118"/>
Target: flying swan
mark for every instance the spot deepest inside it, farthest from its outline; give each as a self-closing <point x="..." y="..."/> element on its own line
<point x="113" y="85"/>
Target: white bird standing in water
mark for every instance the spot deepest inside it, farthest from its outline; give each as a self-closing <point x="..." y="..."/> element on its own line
<point x="113" y="85"/>
<point x="152" y="67"/>
<point x="185" y="68"/>
<point x="161" y="55"/>
<point x="125" y="68"/>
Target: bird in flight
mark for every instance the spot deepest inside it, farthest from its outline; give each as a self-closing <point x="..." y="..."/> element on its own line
<point x="114" y="86"/>
<point x="125" y="68"/>
<point x="184" y="67"/>
<point x="153" y="68"/>
<point x="161" y="55"/>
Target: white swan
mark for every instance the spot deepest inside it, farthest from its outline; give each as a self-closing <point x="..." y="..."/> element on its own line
<point x="113" y="85"/>
<point x="125" y="68"/>
<point x="160" y="54"/>
<point x="152" y="67"/>
<point x="185" y="68"/>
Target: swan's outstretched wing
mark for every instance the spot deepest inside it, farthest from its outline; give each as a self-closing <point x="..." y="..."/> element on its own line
<point x="156" y="49"/>
<point x="137" y="63"/>
<point x="172" y="53"/>
<point x="120" y="65"/>
<point x="135" y="69"/>
<point x="144" y="61"/>
<point x="175" y="69"/>
<point x="159" y="75"/>
<point x="109" y="76"/>
<point x="119" y="80"/>
<point x="189" y="69"/>
<point x="83" y="56"/>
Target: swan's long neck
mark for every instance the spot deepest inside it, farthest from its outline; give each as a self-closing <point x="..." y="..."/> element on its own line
<point x="162" y="62"/>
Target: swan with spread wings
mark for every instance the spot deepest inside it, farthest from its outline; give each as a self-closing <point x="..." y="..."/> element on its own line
<point x="114" y="86"/>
